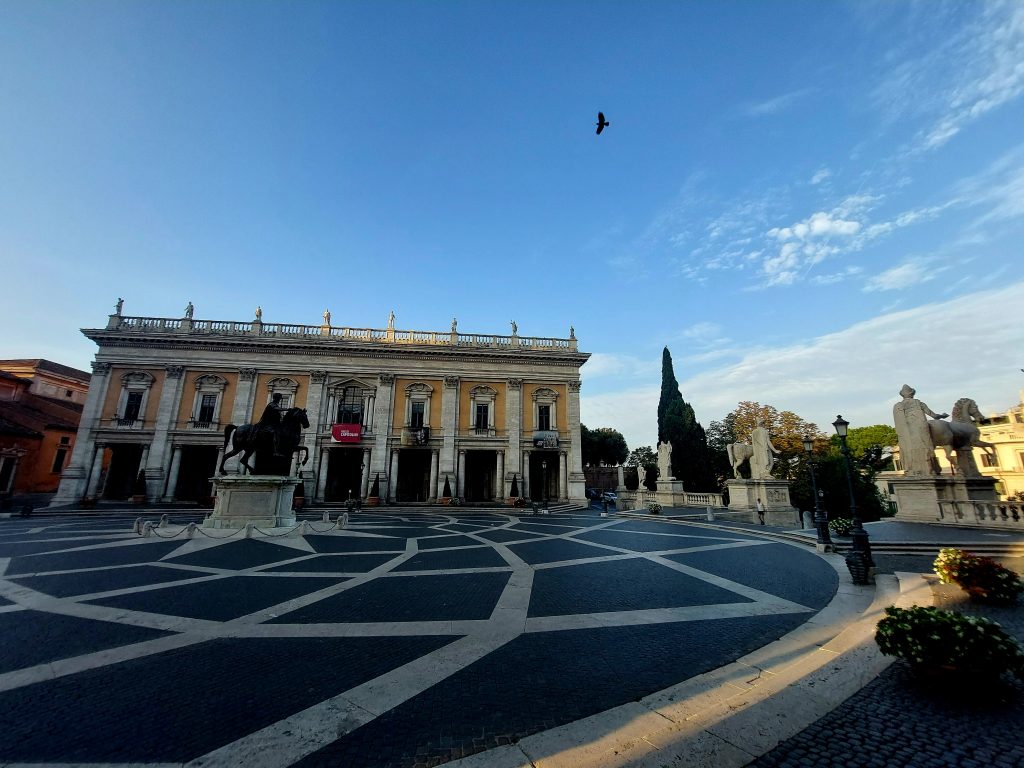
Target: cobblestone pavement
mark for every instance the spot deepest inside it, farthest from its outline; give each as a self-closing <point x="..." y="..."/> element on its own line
<point x="401" y="641"/>
<point x="902" y="720"/>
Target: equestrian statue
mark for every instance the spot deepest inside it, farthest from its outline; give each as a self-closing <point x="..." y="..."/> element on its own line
<point x="960" y="435"/>
<point x="274" y="439"/>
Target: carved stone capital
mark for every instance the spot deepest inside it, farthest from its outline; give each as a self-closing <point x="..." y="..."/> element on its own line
<point x="515" y="383"/>
<point x="574" y="386"/>
<point x="386" y="379"/>
<point x="247" y="374"/>
<point x="100" y="369"/>
<point x="175" y="371"/>
<point x="451" y="381"/>
<point x="318" y="377"/>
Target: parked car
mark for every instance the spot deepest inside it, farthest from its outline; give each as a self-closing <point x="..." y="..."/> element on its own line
<point x="594" y="494"/>
<point x="609" y="496"/>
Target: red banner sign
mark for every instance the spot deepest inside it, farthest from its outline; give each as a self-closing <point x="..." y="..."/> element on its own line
<point x="346" y="433"/>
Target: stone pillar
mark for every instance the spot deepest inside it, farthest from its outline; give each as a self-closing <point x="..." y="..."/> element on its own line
<point x="241" y="410"/>
<point x="311" y="437"/>
<point x="75" y="479"/>
<point x="96" y="470"/>
<point x="364" y="483"/>
<point x="172" y="474"/>
<point x="434" y="490"/>
<point x="393" y="476"/>
<point x="499" y="477"/>
<point x="563" y="476"/>
<point x="321" y="477"/>
<point x="514" y="424"/>
<point x="622" y="480"/>
<point x="576" y="487"/>
<point x="166" y="410"/>
<point x="526" y="474"/>
<point x="449" y="427"/>
<point x="382" y="423"/>
<point x="461" y="475"/>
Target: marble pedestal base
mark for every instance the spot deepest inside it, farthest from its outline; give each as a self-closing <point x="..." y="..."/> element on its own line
<point x="263" y="500"/>
<point x="774" y="495"/>
<point x="671" y="493"/>
<point x="918" y="496"/>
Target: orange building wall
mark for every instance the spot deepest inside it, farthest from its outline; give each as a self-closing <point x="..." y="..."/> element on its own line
<point x="561" y="406"/>
<point x="467" y="417"/>
<point x="398" y="406"/>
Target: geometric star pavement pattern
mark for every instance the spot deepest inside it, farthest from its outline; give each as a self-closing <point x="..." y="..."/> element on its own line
<point x="404" y="640"/>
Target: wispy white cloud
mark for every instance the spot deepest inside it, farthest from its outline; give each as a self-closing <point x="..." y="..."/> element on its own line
<point x="913" y="271"/>
<point x="856" y="371"/>
<point x="820" y="176"/>
<point x="777" y="104"/>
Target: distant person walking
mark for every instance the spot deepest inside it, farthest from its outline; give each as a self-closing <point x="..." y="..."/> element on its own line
<point x="760" y="512"/>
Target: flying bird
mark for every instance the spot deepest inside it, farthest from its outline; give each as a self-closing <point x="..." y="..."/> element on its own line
<point x="601" y="122"/>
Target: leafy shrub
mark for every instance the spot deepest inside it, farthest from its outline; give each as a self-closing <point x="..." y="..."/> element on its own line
<point x="654" y="507"/>
<point x="981" y="577"/>
<point x="840" y="526"/>
<point x="933" y="638"/>
<point x="455" y="502"/>
<point x="519" y="502"/>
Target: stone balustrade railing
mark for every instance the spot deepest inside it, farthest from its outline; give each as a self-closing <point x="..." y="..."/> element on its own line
<point x="334" y="333"/>
<point x="991" y="514"/>
<point x="640" y="499"/>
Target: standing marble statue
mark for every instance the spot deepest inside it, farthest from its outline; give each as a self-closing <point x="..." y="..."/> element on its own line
<point x="118" y="306"/>
<point x="259" y="315"/>
<point x="664" y="460"/>
<point x="762" y="458"/>
<point x="189" y="310"/>
<point x="917" y="448"/>
<point x="327" y="317"/>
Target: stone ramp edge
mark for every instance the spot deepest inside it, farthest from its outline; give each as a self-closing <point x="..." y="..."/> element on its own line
<point x="732" y="715"/>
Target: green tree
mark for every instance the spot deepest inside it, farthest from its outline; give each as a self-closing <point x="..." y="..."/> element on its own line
<point x="786" y="428"/>
<point x="720" y="435"/>
<point x="603" y="445"/>
<point x="868" y="445"/>
<point x="678" y="425"/>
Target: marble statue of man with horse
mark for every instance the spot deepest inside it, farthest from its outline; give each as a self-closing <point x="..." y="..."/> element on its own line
<point x="274" y="439"/>
<point x="919" y="436"/>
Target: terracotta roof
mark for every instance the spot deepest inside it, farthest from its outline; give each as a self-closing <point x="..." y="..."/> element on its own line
<point x="37" y="413"/>
<point x="10" y="428"/>
<point x="48" y="365"/>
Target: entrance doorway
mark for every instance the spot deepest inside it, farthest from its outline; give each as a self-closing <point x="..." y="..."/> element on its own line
<point x="413" y="476"/>
<point x="198" y="465"/>
<point x="480" y="475"/>
<point x="124" y="468"/>
<point x="543" y="482"/>
<point x="344" y="474"/>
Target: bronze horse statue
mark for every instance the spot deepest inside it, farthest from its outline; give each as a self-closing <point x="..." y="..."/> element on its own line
<point x="255" y="438"/>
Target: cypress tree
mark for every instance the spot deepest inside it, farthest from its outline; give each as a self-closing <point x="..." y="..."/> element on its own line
<point x="677" y="424"/>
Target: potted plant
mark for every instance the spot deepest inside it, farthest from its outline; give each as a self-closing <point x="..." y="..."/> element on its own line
<point x="654" y="507"/>
<point x="937" y="642"/>
<point x="373" y="500"/>
<point x="299" y="496"/>
<point x="446" y="494"/>
<point x="840" y="526"/>
<point x="982" y="578"/>
<point x="139" y="488"/>
<point x="513" y="492"/>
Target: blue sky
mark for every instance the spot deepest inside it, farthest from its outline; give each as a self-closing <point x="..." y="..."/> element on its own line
<point x="809" y="203"/>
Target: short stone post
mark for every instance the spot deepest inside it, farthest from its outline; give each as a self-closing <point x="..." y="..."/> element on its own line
<point x="711" y="515"/>
<point x="248" y="530"/>
<point x="137" y="525"/>
<point x="190" y="530"/>
<point x="147" y="529"/>
<point x="164" y="521"/>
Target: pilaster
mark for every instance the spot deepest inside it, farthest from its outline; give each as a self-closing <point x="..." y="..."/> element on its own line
<point x="514" y="425"/>
<point x="75" y="477"/>
<point x="170" y="399"/>
<point x="449" y="427"/>
<point x="434" y="490"/>
<point x="314" y="406"/>
<point x="576" y="486"/>
<point x="382" y="423"/>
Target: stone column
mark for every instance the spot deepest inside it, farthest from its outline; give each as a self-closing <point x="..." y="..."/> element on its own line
<point x="75" y="479"/>
<point x="526" y="474"/>
<point x="166" y="410"/>
<point x="321" y="477"/>
<point x="241" y="410"/>
<point x="365" y="480"/>
<point x="393" y="476"/>
<point x="576" y="486"/>
<point x="311" y="437"/>
<point x="461" y="475"/>
<point x="563" y="476"/>
<point x="449" y="427"/>
<point x="499" y="477"/>
<point x="382" y="422"/>
<point x="172" y="475"/>
<point x="514" y="421"/>
<point x="434" y="490"/>
<point x="622" y="480"/>
<point x="97" y="469"/>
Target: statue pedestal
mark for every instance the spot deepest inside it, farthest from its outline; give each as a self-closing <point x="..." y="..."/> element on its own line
<point x="918" y="496"/>
<point x="263" y="500"/>
<point x="774" y="495"/>
<point x="671" y="493"/>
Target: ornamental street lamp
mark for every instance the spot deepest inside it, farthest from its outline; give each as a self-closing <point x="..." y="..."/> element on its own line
<point x="859" y="559"/>
<point x="820" y="520"/>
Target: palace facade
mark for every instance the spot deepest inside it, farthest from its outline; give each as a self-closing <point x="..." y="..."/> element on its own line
<point x="412" y="409"/>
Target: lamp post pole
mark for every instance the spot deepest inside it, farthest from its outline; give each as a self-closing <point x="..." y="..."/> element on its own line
<point x="860" y="553"/>
<point x="820" y="521"/>
<point x="544" y="481"/>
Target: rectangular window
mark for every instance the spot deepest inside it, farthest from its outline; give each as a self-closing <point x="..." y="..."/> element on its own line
<point x="482" y="410"/>
<point x="416" y="413"/>
<point x="988" y="460"/>
<point x="350" y="408"/>
<point x="543" y="417"/>
<point x="286" y="401"/>
<point x="206" y="408"/>
<point x="65" y="440"/>
<point x="58" y="460"/>
<point x="132" y="405"/>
